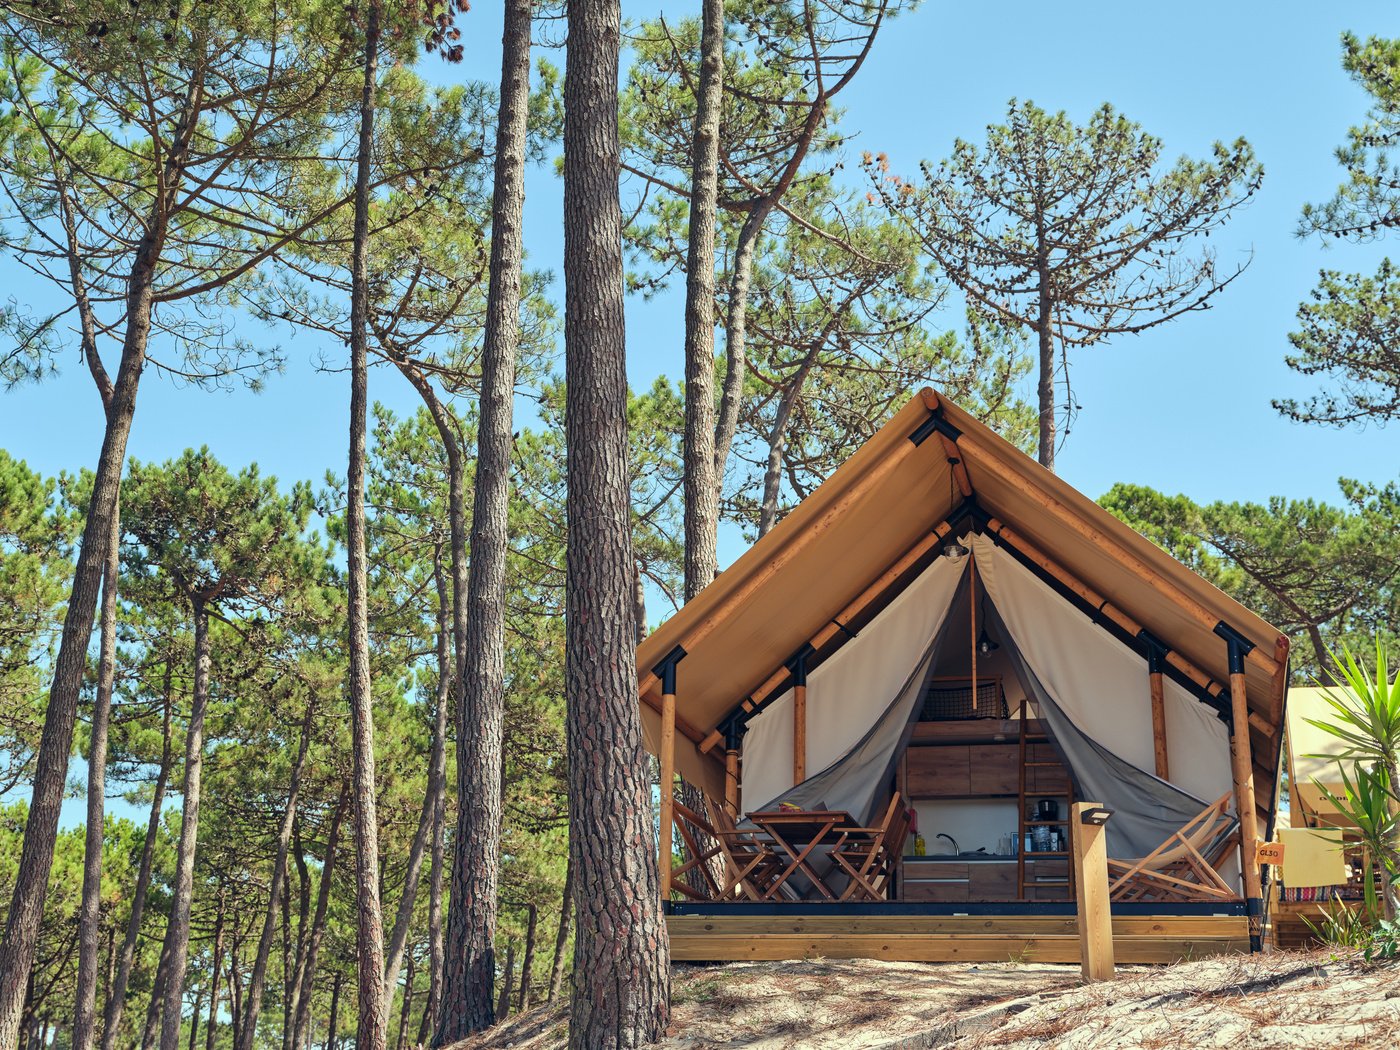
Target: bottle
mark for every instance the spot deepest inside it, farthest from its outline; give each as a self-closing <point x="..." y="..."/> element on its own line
<point x="920" y="847"/>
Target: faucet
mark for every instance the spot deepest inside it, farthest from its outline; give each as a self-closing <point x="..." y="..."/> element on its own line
<point x="950" y="838"/>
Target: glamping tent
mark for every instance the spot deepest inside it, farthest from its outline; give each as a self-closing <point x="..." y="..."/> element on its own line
<point x="835" y="666"/>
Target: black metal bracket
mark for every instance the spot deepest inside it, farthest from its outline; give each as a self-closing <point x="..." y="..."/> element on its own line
<point x="934" y="424"/>
<point x="797" y="664"/>
<point x="1156" y="651"/>
<point x="1237" y="645"/>
<point x="666" y="670"/>
<point x="734" y="730"/>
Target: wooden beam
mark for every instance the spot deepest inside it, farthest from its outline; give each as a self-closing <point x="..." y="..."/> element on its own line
<point x="668" y="787"/>
<point x="853" y="611"/>
<point x="787" y="551"/>
<point x="1242" y="766"/>
<point x="1069" y="518"/>
<point x="731" y="783"/>
<point x="955" y="461"/>
<point x="1090" y="849"/>
<point x="654" y="700"/>
<point x="799" y="734"/>
<point x="1159" y="724"/>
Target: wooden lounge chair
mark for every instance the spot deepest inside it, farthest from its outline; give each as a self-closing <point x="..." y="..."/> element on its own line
<point x="1183" y="868"/>
<point x="868" y="856"/>
<point x="702" y="847"/>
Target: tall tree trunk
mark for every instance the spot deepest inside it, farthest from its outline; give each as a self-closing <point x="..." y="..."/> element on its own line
<point x="276" y="889"/>
<point x="116" y="997"/>
<point x="150" y="1032"/>
<point x="183" y="895"/>
<point x="561" y="936"/>
<point x="507" y="978"/>
<point x="335" y="1013"/>
<point x="407" y="1006"/>
<point x="90" y="913"/>
<point x="26" y="909"/>
<point x="398" y="938"/>
<point x="437" y="785"/>
<point x="194" y="1017"/>
<point x="235" y="985"/>
<point x="291" y="970"/>
<point x="701" y="486"/>
<point x="306" y="965"/>
<point x="471" y="920"/>
<point x="528" y="962"/>
<point x="211" y="1026"/>
<point x="371" y="1030"/>
<point x="622" y="977"/>
<point x="1045" y="388"/>
<point x="777" y="439"/>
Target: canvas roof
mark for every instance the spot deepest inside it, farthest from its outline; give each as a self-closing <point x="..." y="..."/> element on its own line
<point x="879" y="504"/>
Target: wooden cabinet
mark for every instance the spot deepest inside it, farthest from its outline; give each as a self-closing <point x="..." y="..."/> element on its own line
<point x="992" y="881"/>
<point x="1044" y="773"/>
<point x="934" y="771"/>
<point x="1047" y="879"/>
<point x="995" y="770"/>
<point x="935" y="881"/>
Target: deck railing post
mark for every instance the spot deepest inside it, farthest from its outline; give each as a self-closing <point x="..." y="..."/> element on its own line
<point x="1088" y="841"/>
<point x="1242" y="767"/>
<point x="666" y="672"/>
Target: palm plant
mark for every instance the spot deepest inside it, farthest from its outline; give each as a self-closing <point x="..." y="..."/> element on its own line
<point x="1366" y="719"/>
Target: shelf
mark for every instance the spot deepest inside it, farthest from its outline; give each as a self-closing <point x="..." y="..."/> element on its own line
<point x="1032" y="854"/>
<point x="1045" y="823"/>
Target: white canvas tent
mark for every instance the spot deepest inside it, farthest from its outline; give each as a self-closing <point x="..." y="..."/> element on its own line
<point x="854" y="577"/>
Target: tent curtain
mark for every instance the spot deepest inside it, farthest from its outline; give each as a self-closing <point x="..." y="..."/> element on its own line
<point x="858" y="703"/>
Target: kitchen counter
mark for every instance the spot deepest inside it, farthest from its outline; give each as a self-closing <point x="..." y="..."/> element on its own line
<point x="963" y="858"/>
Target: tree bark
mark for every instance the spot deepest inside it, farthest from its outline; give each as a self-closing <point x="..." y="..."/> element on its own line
<point x="398" y="938"/>
<point x="407" y="1006"/>
<point x="1045" y="388"/>
<point x="150" y="1032"/>
<point x="528" y="962"/>
<point x="437" y="785"/>
<point x="701" y="522"/>
<point x="276" y="890"/>
<point x="561" y="936"/>
<point x="335" y="1013"/>
<point x="507" y="979"/>
<point x="116" y="997"/>
<point x="26" y="909"/>
<point x="471" y="920"/>
<point x="621" y="965"/>
<point x="90" y="913"/>
<point x="306" y="965"/>
<point x="372" y="1026"/>
<point x="777" y="440"/>
<point x="194" y="1017"/>
<point x="211" y="1026"/>
<point x="189" y="833"/>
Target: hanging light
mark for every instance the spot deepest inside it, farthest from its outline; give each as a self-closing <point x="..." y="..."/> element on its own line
<point x="955" y="551"/>
<point x="985" y="644"/>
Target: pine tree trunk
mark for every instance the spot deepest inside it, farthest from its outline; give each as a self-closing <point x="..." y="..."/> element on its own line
<point x="437" y="784"/>
<point x="90" y="913"/>
<point x="528" y="962"/>
<point x="276" y="890"/>
<point x="194" y="1017"/>
<point x="507" y="979"/>
<point x="372" y="1027"/>
<point x="306" y="965"/>
<point x="621" y="965"/>
<point x="398" y="938"/>
<point x="736" y="337"/>
<point x="211" y="1026"/>
<point x="26" y="910"/>
<point x="471" y="920"/>
<point x="183" y="895"/>
<point x="407" y="1006"/>
<point x="150" y="1032"/>
<point x="116" y="996"/>
<point x="561" y="935"/>
<point x="335" y="1013"/>
<point x="701" y="523"/>
<point x="1045" y="388"/>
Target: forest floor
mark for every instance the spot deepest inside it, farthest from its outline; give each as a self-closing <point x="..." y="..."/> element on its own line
<point x="1293" y="999"/>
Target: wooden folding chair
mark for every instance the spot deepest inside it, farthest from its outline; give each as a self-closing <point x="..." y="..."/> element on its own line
<point x="1183" y="868"/>
<point x="868" y="856"/>
<point x="750" y="861"/>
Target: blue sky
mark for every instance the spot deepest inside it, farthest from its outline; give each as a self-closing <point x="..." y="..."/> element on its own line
<point x="1185" y="408"/>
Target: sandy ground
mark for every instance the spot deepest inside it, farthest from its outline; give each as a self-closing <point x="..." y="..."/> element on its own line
<point x="1311" y="1001"/>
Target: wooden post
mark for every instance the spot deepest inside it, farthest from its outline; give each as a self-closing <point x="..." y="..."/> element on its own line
<point x="1090" y="860"/>
<point x="733" y="737"/>
<point x="666" y="672"/>
<point x="972" y="617"/>
<point x="1156" y="664"/>
<point x="798" y="666"/>
<point x="1242" y="768"/>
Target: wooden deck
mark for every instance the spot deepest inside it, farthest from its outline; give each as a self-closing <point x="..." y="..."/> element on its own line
<point x="1137" y="938"/>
